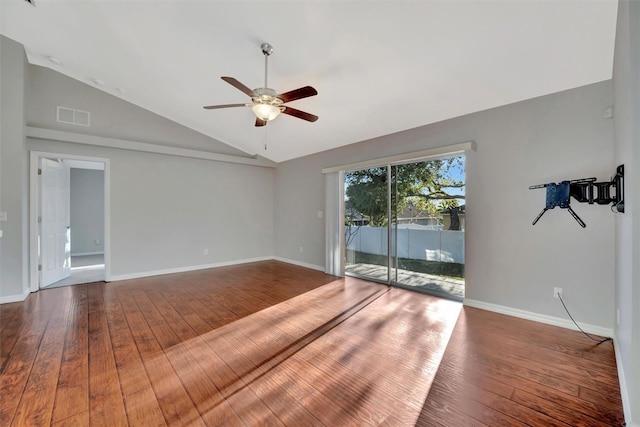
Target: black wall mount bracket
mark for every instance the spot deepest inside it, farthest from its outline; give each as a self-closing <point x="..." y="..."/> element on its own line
<point x="585" y="190"/>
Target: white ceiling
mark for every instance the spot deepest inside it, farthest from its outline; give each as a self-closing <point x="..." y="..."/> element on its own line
<point x="379" y="66"/>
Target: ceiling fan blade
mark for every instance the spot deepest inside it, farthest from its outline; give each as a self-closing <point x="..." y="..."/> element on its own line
<point x="260" y="122"/>
<point x="299" y="114"/>
<point x="233" y="82"/>
<point x="303" y="92"/>
<point x="215" y="107"/>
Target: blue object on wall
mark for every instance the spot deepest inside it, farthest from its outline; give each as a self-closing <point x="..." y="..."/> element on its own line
<point x="584" y="190"/>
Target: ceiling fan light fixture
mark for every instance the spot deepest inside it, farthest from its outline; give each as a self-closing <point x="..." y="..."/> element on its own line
<point x="266" y="112"/>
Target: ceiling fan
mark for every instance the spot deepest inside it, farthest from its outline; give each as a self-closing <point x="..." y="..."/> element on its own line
<point x="266" y="103"/>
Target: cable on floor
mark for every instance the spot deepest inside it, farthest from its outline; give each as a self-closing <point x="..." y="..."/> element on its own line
<point x="599" y="341"/>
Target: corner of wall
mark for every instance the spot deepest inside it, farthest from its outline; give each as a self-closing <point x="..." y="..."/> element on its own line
<point x="13" y="170"/>
<point x="14" y="298"/>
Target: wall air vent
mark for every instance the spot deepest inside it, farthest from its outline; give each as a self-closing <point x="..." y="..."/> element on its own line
<point x="73" y="117"/>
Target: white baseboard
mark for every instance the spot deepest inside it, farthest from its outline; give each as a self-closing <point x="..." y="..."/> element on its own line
<point x="300" y="264"/>
<point x="14" y="298"/>
<point x="118" y="277"/>
<point x="536" y="317"/>
<point x="87" y="253"/>
<point x="624" y="391"/>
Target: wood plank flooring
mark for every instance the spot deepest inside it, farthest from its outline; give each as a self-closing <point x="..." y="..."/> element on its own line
<point x="274" y="344"/>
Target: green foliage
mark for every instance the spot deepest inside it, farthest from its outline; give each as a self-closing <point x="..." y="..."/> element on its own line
<point x="448" y="204"/>
<point x="424" y="186"/>
<point x="367" y="193"/>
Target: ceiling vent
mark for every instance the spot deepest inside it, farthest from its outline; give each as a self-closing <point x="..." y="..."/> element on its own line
<point x="73" y="117"/>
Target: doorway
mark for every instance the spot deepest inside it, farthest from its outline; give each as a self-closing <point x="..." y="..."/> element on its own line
<point x="404" y="225"/>
<point x="69" y="217"/>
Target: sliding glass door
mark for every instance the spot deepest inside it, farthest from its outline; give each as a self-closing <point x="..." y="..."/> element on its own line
<point x="404" y="225"/>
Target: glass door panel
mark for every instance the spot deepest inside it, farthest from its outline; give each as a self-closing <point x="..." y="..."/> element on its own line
<point x="429" y="226"/>
<point x="366" y="205"/>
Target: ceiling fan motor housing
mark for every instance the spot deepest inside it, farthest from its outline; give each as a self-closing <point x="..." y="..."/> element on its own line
<point x="265" y="95"/>
<point x="267" y="49"/>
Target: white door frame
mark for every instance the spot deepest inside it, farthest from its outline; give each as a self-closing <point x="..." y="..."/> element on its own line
<point x="34" y="207"/>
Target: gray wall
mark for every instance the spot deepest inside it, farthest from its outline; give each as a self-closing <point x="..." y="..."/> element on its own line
<point x="13" y="169"/>
<point x="626" y="90"/>
<point x="509" y="261"/>
<point x="165" y="210"/>
<point x="87" y="211"/>
<point x="110" y="116"/>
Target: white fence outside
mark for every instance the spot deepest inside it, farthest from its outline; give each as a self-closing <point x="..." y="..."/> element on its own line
<point x="429" y="245"/>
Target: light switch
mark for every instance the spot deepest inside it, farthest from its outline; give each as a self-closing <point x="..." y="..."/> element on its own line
<point x="3" y="216"/>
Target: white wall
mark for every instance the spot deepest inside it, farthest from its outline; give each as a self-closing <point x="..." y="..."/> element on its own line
<point x="509" y="262"/>
<point x="13" y="169"/>
<point x="86" y="211"/>
<point x="626" y="90"/>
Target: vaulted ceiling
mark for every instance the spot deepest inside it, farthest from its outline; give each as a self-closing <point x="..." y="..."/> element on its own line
<point x="379" y="66"/>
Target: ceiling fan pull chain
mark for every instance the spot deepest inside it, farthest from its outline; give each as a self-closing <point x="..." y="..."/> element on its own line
<point x="265" y="139"/>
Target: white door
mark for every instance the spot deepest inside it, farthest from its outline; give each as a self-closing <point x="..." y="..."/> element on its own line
<point x="55" y="242"/>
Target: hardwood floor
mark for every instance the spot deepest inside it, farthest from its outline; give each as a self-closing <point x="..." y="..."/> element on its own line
<point x="274" y="344"/>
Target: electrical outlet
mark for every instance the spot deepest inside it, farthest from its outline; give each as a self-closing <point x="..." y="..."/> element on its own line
<point x="557" y="292"/>
<point x="301" y="249"/>
<point x="206" y="252"/>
